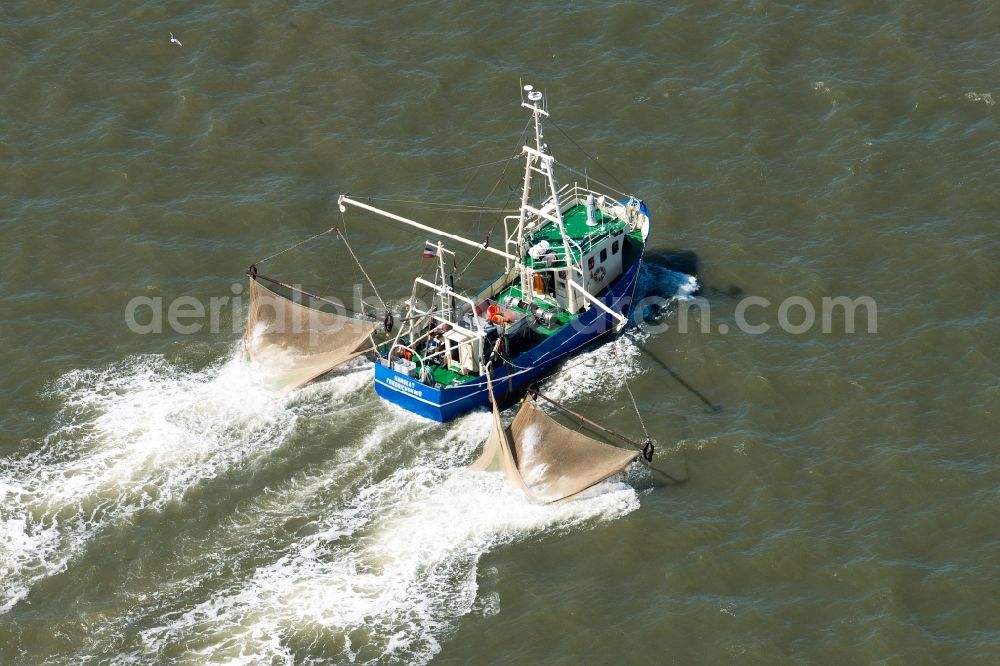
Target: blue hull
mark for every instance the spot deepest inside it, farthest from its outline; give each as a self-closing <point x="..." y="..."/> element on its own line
<point x="509" y="382"/>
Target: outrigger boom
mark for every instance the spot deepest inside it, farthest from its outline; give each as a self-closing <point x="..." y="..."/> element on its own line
<point x="344" y="199"/>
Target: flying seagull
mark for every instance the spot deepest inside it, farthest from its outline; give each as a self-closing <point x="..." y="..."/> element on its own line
<point x="174" y="40"/>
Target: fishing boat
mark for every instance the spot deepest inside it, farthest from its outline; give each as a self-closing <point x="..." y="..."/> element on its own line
<point x="570" y="261"/>
<point x="571" y="258"/>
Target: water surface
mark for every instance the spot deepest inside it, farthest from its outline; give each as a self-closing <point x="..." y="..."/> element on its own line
<point x="158" y="504"/>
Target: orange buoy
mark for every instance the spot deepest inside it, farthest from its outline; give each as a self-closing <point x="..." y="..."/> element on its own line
<point x="407" y="354"/>
<point x="493" y="310"/>
<point x="497" y="318"/>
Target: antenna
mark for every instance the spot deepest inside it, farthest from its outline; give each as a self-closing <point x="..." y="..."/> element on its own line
<point x="533" y="95"/>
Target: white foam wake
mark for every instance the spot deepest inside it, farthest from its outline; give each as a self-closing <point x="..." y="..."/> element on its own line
<point x="666" y="283"/>
<point x="383" y="572"/>
<point x="687" y="286"/>
<point x="133" y="435"/>
<point x="387" y="576"/>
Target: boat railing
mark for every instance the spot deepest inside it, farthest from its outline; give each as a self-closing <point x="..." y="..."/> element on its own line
<point x="510" y="245"/>
<point x="414" y="355"/>
<point x="417" y="314"/>
<point x="567" y="196"/>
<point x="494" y="287"/>
<point x="612" y="207"/>
<point x="444" y="291"/>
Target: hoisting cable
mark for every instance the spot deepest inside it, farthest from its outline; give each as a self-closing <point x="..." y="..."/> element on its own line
<point x="648" y="446"/>
<point x="470" y="168"/>
<point x="254" y="275"/>
<point x="292" y="247"/>
<point x="533" y="391"/>
<point x="517" y="152"/>
<point x="592" y="159"/>
<point x="592" y="179"/>
<point x="343" y="237"/>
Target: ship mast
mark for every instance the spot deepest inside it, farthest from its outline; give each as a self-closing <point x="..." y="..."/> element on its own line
<point x="539" y="161"/>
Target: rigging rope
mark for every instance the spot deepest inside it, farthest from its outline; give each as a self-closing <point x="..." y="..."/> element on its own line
<point x="516" y="152"/>
<point x="343" y="237"/>
<point x="592" y="159"/>
<point x="292" y="247"/>
<point x="635" y="405"/>
<point x="362" y="269"/>
<point x="470" y="168"/>
<point x="510" y="195"/>
<point x="483" y="209"/>
<point x="588" y="177"/>
<point x="638" y="415"/>
<point x="254" y="275"/>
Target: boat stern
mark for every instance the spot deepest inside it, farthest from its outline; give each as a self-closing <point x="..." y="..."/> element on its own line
<point x="432" y="402"/>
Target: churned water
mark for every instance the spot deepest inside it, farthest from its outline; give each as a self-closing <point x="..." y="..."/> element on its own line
<point x="159" y="504"/>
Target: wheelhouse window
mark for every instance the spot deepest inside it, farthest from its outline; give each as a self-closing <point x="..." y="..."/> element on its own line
<point x="590" y="263"/>
<point x="615" y="247"/>
<point x="604" y="255"/>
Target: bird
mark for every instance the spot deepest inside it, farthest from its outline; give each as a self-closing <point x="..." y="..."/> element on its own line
<point x="174" y="40"/>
